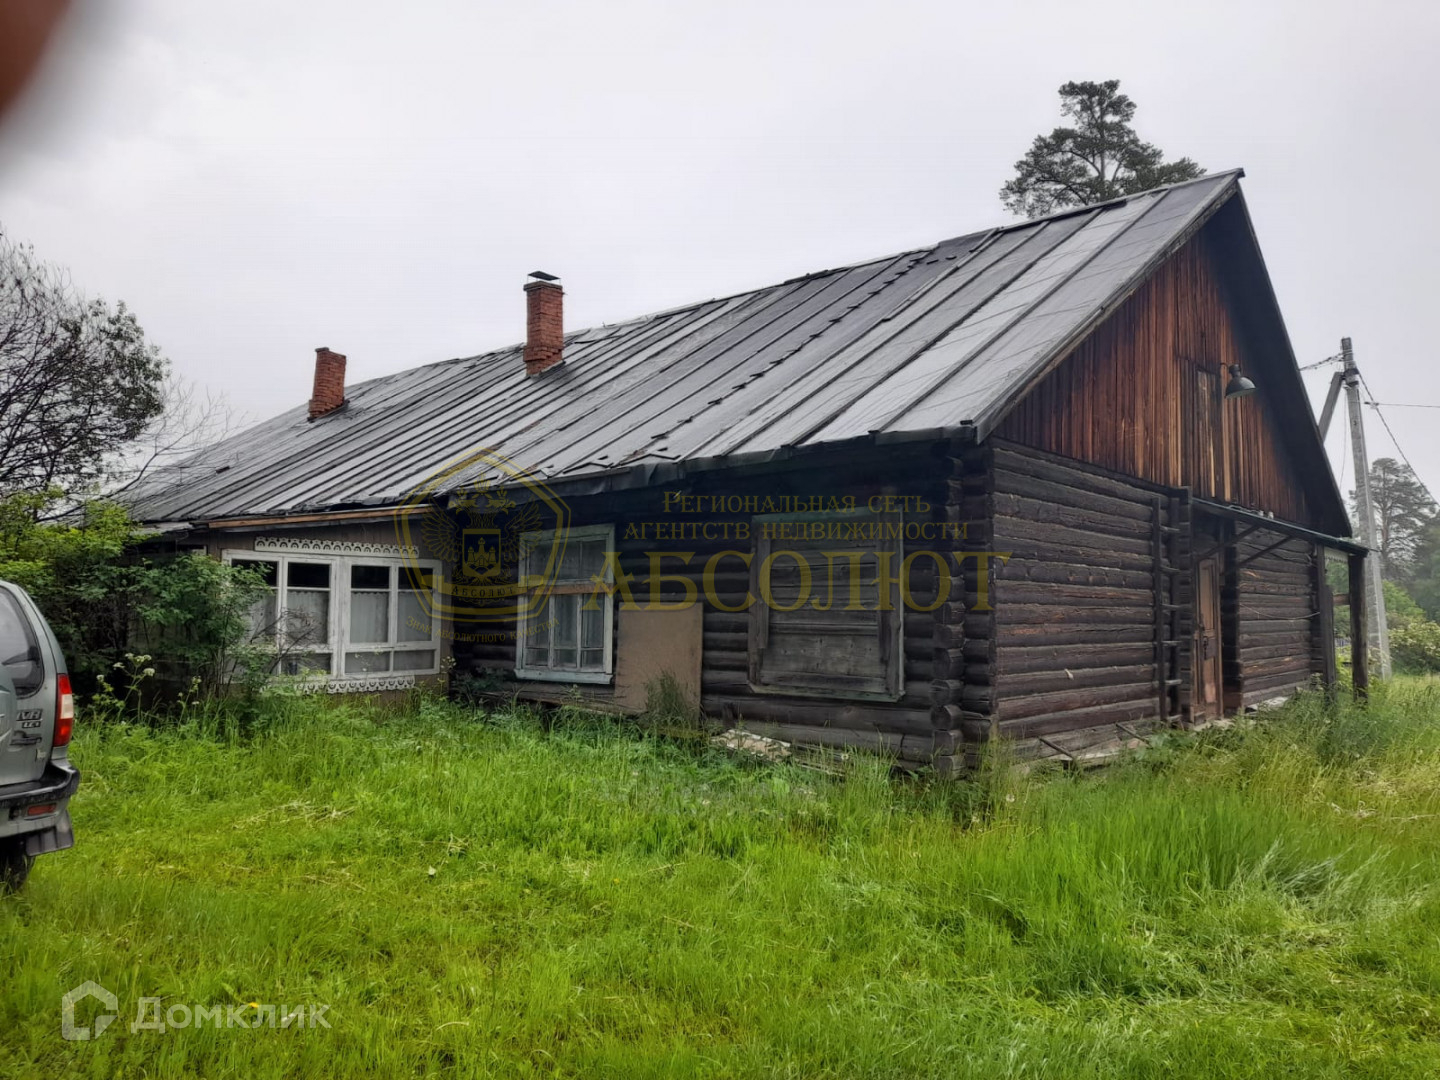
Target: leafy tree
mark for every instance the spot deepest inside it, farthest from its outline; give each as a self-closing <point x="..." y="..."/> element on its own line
<point x="1400" y="608"/>
<point x="78" y="381"/>
<point x="75" y="572"/>
<point x="1415" y="648"/>
<point x="106" y="598"/>
<point x="1404" y="512"/>
<point x="1099" y="158"/>
<point x="1424" y="571"/>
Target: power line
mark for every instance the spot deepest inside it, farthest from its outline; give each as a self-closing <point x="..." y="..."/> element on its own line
<point x="1400" y="404"/>
<point x="1398" y="448"/>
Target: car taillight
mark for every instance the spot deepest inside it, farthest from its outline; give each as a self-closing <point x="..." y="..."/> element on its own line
<point x="64" y="710"/>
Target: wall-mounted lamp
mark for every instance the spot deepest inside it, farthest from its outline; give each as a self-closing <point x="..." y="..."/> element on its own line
<point x="1239" y="385"/>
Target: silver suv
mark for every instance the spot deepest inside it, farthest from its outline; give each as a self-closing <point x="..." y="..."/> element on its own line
<point x="37" y="713"/>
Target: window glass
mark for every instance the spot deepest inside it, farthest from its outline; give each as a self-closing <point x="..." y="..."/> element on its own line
<point x="19" y="648"/>
<point x="370" y="577"/>
<point x="262" y="615"/>
<point x="303" y="575"/>
<point x="384" y="604"/>
<point x="592" y="559"/>
<point x="360" y="663"/>
<point x="592" y="637"/>
<point x="538" y="556"/>
<point x="307" y="603"/>
<point x="415" y="660"/>
<point x="412" y="620"/>
<point x="268" y="569"/>
<point x="537" y="636"/>
<point x="412" y="617"/>
<point x="369" y="605"/>
<point x="561" y="635"/>
<point x="306" y="664"/>
<point x="570" y="562"/>
<point x="566" y="610"/>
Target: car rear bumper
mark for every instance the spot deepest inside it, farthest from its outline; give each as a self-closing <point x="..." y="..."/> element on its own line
<point x="47" y="832"/>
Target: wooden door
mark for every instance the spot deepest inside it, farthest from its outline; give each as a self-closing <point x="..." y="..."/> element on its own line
<point x="1208" y="698"/>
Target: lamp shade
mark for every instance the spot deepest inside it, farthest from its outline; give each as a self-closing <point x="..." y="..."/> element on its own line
<point x="1239" y="385"/>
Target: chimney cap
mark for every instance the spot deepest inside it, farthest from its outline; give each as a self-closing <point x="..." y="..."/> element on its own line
<point x="541" y="275"/>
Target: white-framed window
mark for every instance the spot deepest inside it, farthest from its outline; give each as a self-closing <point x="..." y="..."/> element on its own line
<point x="570" y="636"/>
<point x="345" y="616"/>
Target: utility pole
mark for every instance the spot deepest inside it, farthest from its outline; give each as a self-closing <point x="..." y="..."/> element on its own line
<point x="1378" y="636"/>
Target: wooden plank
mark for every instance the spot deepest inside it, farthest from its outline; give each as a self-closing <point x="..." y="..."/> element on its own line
<point x="1017" y="708"/>
<point x="1325" y="627"/>
<point x="1359" y="639"/>
<point x="1124" y="397"/>
<point x="1020" y="660"/>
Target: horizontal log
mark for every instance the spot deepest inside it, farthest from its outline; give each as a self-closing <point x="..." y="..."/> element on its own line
<point x="1253" y="575"/>
<point x="1087" y="633"/>
<point x="735" y="642"/>
<point x="1248" y="584"/>
<point x="1271" y="685"/>
<point x="1020" y="706"/>
<point x="1079" y="719"/>
<point x="1014" y="460"/>
<point x="1078" y="678"/>
<point x="1018" y="660"/>
<point x="1087" y="745"/>
<point x="1015" y="615"/>
<point x="919" y="648"/>
<point x="725" y="660"/>
<point x="1040" y="553"/>
<point x="1264" y="633"/>
<point x="1019" y="570"/>
<point x="1270" y="607"/>
<point x="785" y="708"/>
<point x="1280" y="665"/>
<point x="1066" y="515"/>
<point x="1009" y="483"/>
<point x="1056" y="594"/>
<point x="916" y="695"/>
<point x="1255" y="653"/>
<point x="1010" y="531"/>
<point x="916" y="748"/>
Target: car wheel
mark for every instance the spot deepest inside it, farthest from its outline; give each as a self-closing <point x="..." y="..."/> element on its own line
<point x="14" y="866"/>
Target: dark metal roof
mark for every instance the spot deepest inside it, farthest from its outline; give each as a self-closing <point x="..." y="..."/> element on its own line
<point x="940" y="338"/>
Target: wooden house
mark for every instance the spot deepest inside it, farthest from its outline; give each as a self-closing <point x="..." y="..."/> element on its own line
<point x="1056" y="482"/>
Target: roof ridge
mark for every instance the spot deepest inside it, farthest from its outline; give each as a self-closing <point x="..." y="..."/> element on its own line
<point x="981" y="236"/>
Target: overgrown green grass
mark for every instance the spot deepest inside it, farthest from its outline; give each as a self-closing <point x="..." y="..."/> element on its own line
<point x="503" y="896"/>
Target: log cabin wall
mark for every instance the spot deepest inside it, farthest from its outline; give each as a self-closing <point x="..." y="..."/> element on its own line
<point x="963" y="659"/>
<point x="1143" y="396"/>
<point x="1089" y="642"/>
<point x="1272" y="599"/>
<point x="902" y="728"/>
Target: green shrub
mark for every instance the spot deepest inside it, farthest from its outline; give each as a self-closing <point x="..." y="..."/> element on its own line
<point x="1415" y="647"/>
<point x="107" y="598"/>
<point x="1400" y="608"/>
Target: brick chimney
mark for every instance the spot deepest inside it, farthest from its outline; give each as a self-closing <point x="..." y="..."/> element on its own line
<point x="329" y="392"/>
<point x="544" y="322"/>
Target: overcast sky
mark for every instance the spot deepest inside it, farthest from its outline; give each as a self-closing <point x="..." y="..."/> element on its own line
<point x="257" y="179"/>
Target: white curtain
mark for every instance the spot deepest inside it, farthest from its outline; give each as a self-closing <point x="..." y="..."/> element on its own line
<point x="369" y="618"/>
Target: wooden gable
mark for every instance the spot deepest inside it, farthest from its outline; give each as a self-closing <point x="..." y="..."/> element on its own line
<point x="1144" y="395"/>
